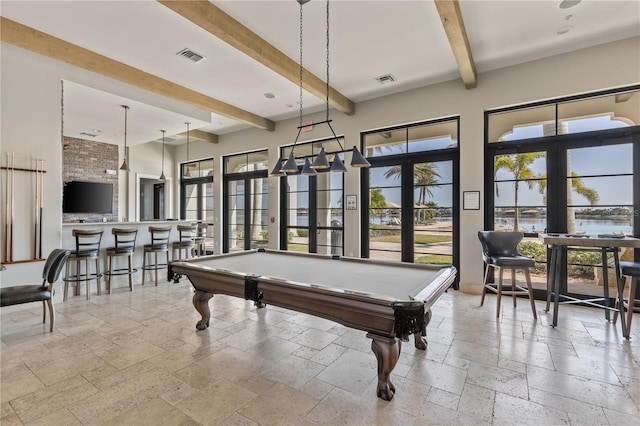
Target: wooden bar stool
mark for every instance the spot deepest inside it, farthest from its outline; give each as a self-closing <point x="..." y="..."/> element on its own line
<point x="186" y="236"/>
<point x="630" y="272"/>
<point x="125" y="245"/>
<point x="159" y="244"/>
<point x="500" y="252"/>
<point x="87" y="248"/>
<point x="200" y="239"/>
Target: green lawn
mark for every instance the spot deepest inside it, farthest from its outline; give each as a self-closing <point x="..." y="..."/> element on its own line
<point x="435" y="259"/>
<point x="418" y="239"/>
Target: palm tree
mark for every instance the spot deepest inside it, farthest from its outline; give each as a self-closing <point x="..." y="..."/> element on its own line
<point x="377" y="203"/>
<point x="518" y="165"/>
<point x="424" y="176"/>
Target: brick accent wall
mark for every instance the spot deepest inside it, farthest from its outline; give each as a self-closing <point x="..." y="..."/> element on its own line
<point x="87" y="161"/>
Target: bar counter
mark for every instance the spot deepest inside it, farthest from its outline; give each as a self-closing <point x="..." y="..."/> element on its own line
<point x="143" y="237"/>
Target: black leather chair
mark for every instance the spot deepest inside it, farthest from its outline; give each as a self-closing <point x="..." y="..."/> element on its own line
<point x="630" y="272"/>
<point x="500" y="252"/>
<point x="44" y="292"/>
<point x="125" y="245"/>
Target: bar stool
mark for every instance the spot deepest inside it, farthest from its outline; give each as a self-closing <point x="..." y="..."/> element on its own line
<point x="87" y="248"/>
<point x="159" y="244"/>
<point x="200" y="239"/>
<point x="125" y="245"/>
<point x="186" y="235"/>
<point x="500" y="251"/>
<point x="630" y="272"/>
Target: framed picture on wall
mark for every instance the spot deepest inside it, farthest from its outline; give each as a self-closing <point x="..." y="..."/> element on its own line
<point x="352" y="202"/>
<point x="471" y="200"/>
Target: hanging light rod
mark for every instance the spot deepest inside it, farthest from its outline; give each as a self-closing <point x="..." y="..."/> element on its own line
<point x="125" y="162"/>
<point x="321" y="162"/>
<point x="162" y="176"/>
<point x="187" y="173"/>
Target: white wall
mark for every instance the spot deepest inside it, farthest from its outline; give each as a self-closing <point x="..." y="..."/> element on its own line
<point x="602" y="67"/>
<point x="30" y="119"/>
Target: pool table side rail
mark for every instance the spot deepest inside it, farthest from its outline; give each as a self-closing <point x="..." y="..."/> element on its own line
<point x="439" y="284"/>
<point x="420" y="292"/>
<point x="414" y="297"/>
<point x="358" y="314"/>
<point x="351" y="310"/>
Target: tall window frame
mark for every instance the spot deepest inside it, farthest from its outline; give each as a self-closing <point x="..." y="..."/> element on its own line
<point x="555" y="141"/>
<point x="246" y="194"/>
<point x="407" y="154"/>
<point x="323" y="231"/>
<point x="197" y="196"/>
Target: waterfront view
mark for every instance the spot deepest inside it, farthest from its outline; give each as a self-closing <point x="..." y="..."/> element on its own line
<point x="587" y="226"/>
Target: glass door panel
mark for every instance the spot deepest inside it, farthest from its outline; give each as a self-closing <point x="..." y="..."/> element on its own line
<point x="314" y="213"/>
<point x="385" y="213"/>
<point x="599" y="201"/>
<point x="520" y="198"/>
<point x="433" y="212"/>
<point x="190" y="201"/>
<point x="235" y="215"/>
<point x="259" y="212"/>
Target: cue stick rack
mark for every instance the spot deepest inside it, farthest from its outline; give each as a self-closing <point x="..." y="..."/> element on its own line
<point x="27" y="207"/>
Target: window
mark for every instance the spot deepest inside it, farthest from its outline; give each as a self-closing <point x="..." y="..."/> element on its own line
<point x="245" y="205"/>
<point x="196" y="202"/>
<point x="312" y="207"/>
<point x="565" y="166"/>
<point x="411" y="193"/>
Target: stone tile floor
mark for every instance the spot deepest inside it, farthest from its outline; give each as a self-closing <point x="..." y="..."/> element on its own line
<point x="135" y="358"/>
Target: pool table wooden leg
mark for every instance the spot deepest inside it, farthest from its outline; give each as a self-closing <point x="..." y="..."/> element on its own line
<point x="420" y="341"/>
<point x="387" y="352"/>
<point x="201" y="303"/>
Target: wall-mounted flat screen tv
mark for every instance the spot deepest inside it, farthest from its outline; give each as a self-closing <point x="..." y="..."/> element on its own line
<point x="87" y="197"/>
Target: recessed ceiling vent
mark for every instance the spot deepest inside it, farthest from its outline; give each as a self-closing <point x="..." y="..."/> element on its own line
<point x="384" y="79"/>
<point x="191" y="55"/>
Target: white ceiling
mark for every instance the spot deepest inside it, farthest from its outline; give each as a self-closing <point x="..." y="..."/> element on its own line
<point x="368" y="39"/>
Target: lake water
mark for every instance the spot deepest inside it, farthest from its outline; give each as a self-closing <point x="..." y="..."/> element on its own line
<point x="588" y="226"/>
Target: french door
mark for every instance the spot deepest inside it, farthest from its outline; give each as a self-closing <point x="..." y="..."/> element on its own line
<point x="411" y="210"/>
<point x="576" y="184"/>
<point x="246" y="212"/>
<point x="312" y="213"/>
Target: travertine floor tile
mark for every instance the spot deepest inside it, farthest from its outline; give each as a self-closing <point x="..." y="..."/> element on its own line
<point x="353" y="371"/>
<point x="215" y="403"/>
<point x="153" y="412"/>
<point x="279" y="405"/>
<point x="135" y="358"/>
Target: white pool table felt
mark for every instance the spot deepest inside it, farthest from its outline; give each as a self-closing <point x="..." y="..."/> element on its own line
<point x="386" y="281"/>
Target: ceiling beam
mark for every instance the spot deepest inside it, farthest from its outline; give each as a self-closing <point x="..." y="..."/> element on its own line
<point x="451" y="17"/>
<point x="212" y="19"/>
<point x="202" y="135"/>
<point x="44" y="44"/>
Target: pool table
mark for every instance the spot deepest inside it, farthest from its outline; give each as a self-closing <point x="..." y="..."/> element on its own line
<point x="388" y="300"/>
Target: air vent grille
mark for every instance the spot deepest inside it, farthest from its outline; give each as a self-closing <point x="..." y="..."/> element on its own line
<point x="191" y="55"/>
<point x="384" y="79"/>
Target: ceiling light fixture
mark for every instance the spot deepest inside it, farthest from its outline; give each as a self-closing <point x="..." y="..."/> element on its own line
<point x="162" y="176"/>
<point x="321" y="162"/>
<point x="125" y="162"/>
<point x="564" y="30"/>
<point x="187" y="173"/>
<point x="566" y="4"/>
